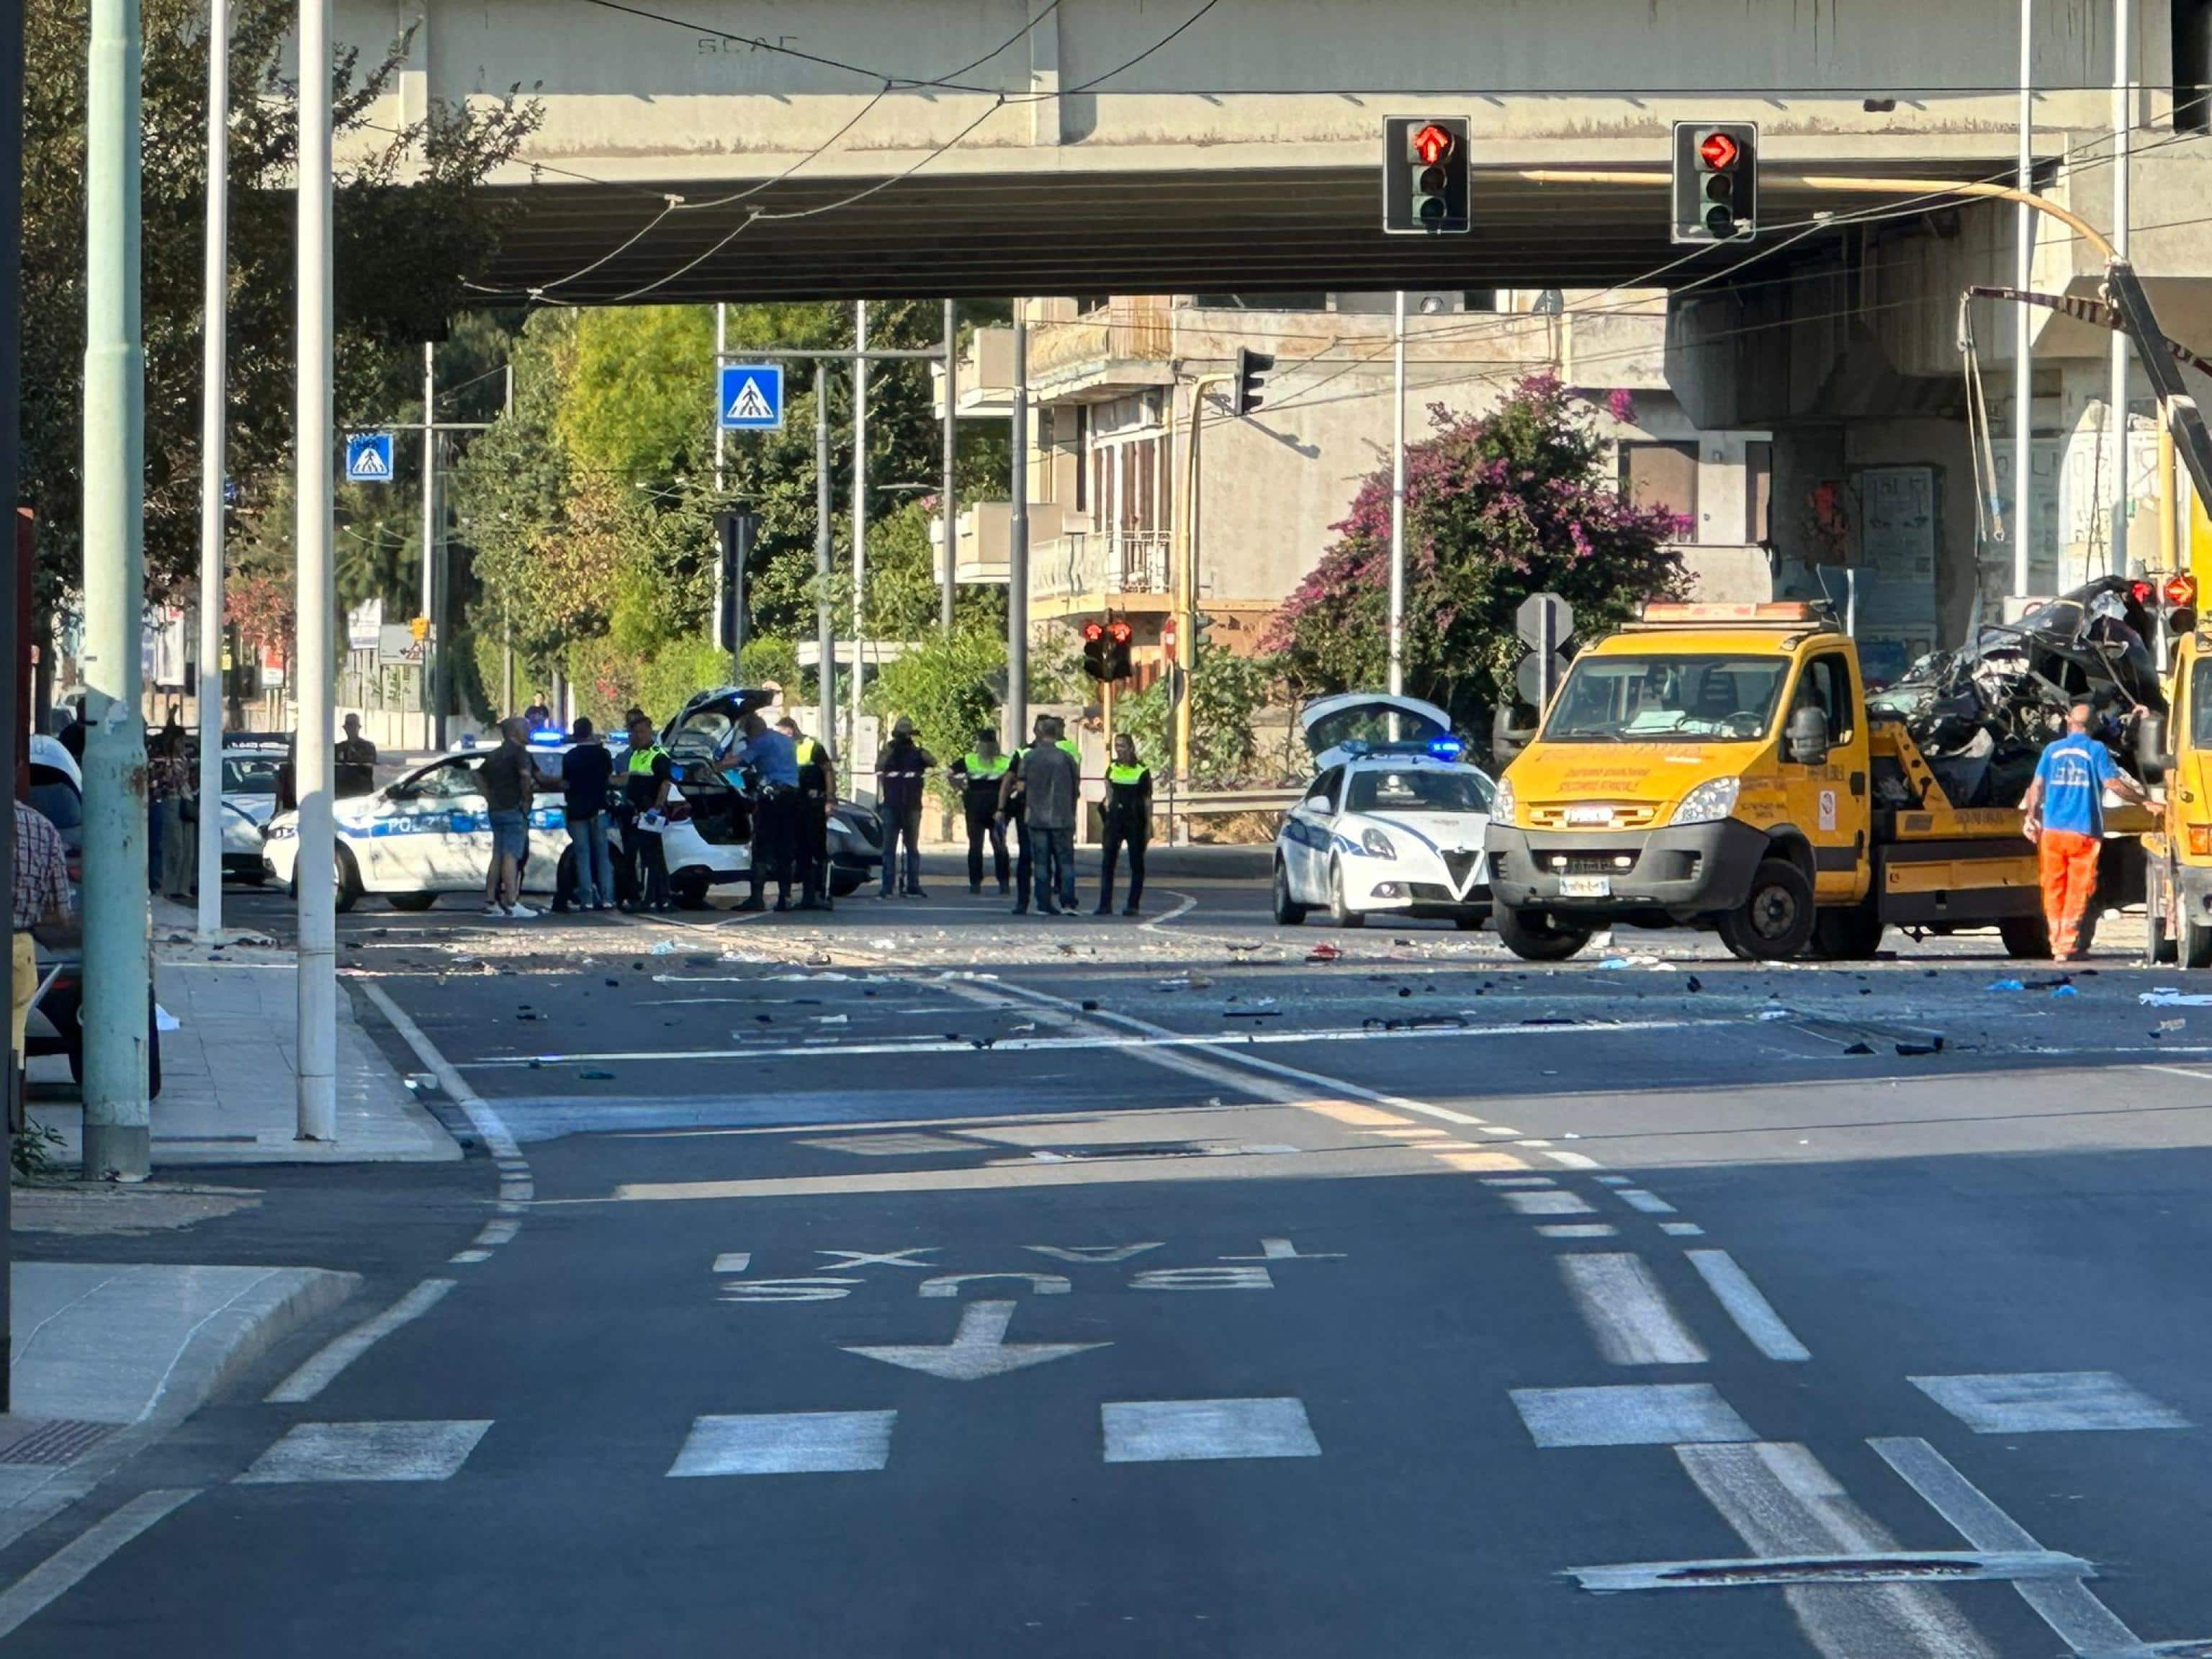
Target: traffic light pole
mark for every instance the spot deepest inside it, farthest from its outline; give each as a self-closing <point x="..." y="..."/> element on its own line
<point x="1397" y="640"/>
<point x="1017" y="545"/>
<point x="214" y="405"/>
<point x="1185" y="581"/>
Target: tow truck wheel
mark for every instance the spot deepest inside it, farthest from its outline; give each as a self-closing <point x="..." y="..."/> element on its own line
<point x="1289" y="913"/>
<point x="2159" y="945"/>
<point x="1532" y="936"/>
<point x="2026" y="939"/>
<point x="1776" y="919"/>
<point x="1339" y="912"/>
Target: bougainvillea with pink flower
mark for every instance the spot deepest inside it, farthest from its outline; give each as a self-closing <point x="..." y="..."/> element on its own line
<point x="1500" y="506"/>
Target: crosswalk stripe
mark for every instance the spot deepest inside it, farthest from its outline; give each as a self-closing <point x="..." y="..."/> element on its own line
<point x="311" y="1452"/>
<point x="786" y="1443"/>
<point x="1753" y="1314"/>
<point x="1626" y="1312"/>
<point x="1188" y="1431"/>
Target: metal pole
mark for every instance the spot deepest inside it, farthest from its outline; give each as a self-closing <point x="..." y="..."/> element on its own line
<point x="721" y="345"/>
<point x="859" y="519"/>
<point x="2023" y="364"/>
<point x="315" y="876"/>
<point x="1017" y="545"/>
<point x="214" y="397"/>
<point x="950" y="495"/>
<point x="11" y="646"/>
<point x="2116" y="422"/>
<point x="115" y="1125"/>
<point x="429" y="538"/>
<point x="825" y="619"/>
<point x="442" y="696"/>
<point x="1397" y="640"/>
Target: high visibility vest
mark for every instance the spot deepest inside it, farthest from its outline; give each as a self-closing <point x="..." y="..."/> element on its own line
<point x="1073" y="748"/>
<point x="1128" y="776"/>
<point x="979" y="769"/>
<point x="808" y="750"/>
<point x="642" y="760"/>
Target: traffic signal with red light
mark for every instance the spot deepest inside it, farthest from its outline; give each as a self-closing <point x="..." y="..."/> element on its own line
<point x="1118" y="636"/>
<point x="1095" y="646"/>
<point x="2180" y="596"/>
<point x="1426" y="175"/>
<point x="1716" y="181"/>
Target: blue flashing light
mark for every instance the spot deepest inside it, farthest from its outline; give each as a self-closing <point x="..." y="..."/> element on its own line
<point x="1447" y="747"/>
<point x="549" y="734"/>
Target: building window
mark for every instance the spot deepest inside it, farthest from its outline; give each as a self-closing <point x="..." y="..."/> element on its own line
<point x="2193" y="65"/>
<point x="1662" y="475"/>
<point x="1479" y="299"/>
<point x="1082" y="457"/>
<point x="1757" y="491"/>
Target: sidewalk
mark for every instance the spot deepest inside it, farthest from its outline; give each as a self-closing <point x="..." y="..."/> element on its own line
<point x="230" y="1074"/>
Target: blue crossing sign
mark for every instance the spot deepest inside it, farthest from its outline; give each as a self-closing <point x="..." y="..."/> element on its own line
<point x="752" y="397"/>
<point x="368" y="458"/>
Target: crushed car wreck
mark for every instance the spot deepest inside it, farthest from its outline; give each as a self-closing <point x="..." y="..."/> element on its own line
<point x="1982" y="714"/>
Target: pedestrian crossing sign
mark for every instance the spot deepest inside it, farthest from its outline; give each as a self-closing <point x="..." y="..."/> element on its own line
<point x="368" y="458"/>
<point x="752" y="397"/>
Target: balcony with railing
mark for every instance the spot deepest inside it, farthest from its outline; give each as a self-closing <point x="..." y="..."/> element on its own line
<point x="1088" y="569"/>
<point x="982" y="534"/>
<point x="1123" y="346"/>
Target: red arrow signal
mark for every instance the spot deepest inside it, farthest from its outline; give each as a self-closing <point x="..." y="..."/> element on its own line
<point x="1432" y="144"/>
<point x="1719" y="151"/>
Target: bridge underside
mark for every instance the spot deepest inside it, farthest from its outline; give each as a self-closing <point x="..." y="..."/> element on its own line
<point x="1235" y="230"/>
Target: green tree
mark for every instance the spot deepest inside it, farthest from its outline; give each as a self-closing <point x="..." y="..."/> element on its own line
<point x="1227" y="692"/>
<point x="414" y="223"/>
<point x="1498" y="506"/>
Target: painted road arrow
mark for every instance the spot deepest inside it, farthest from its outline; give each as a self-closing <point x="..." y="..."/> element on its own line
<point x="979" y="1348"/>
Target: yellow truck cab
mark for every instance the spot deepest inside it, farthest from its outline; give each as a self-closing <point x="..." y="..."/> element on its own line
<point x="1716" y="766"/>
<point x="2179" y="848"/>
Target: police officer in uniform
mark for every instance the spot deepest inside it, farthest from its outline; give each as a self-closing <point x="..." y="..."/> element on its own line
<point x="646" y="782"/>
<point x="1128" y="818"/>
<point x="981" y="773"/>
<point x="818" y="793"/>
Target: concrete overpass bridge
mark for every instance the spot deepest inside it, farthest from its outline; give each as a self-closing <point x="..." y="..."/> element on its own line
<point x="701" y="149"/>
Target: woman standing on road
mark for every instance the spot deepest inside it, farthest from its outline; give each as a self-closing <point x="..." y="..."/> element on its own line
<point x="1128" y="823"/>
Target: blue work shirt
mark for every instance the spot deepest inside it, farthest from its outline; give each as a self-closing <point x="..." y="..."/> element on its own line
<point x="774" y="756"/>
<point x="2073" y="772"/>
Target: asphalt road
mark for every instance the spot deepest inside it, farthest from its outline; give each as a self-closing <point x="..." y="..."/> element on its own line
<point x="923" y="1281"/>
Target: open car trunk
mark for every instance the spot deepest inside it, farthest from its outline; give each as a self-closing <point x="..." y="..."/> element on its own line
<point x="1335" y="726"/>
<point x="699" y="740"/>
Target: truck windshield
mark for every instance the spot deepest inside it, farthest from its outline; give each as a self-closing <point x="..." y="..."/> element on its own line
<point x="2200" y="704"/>
<point x="1646" y="699"/>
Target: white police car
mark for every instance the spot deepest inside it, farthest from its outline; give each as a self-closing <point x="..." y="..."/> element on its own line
<point x="1389" y="828"/>
<point x="427" y="834"/>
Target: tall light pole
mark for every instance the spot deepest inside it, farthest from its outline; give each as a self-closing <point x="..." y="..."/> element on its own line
<point x="1017" y="545"/>
<point x="860" y="521"/>
<point x="430" y="708"/>
<point x="314" y="874"/>
<point x="2116" y="422"/>
<point x="215" y="344"/>
<point x="1397" y="643"/>
<point x="117" y="1134"/>
<point x="948" y="495"/>
<point x="2023" y="364"/>
<point x="825" y="619"/>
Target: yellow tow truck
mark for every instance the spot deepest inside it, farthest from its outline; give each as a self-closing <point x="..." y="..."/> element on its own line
<point x="1716" y="766"/>
<point x="2179" y="848"/>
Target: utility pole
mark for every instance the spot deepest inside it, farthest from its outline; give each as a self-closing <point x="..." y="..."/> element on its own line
<point x="431" y="707"/>
<point x="1397" y="640"/>
<point x="2023" y="364"/>
<point x="117" y="1134"/>
<point x="11" y="646"/>
<point x="721" y="349"/>
<point x="1017" y="545"/>
<point x="825" y="619"/>
<point x="215" y="350"/>
<point x="859" y="519"/>
<point x="2116" y="422"/>
<point x="314" y="875"/>
<point x="949" y="497"/>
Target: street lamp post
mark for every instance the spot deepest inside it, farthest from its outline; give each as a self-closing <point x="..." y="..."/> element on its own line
<point x="214" y="369"/>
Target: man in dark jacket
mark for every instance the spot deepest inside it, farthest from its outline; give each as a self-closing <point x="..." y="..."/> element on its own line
<point x="981" y="773"/>
<point x="900" y="770"/>
<point x="1128" y="823"/>
<point x="1050" y="787"/>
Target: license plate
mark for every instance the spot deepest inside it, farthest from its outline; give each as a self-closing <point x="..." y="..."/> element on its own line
<point x="1599" y="816"/>
<point x="1586" y="886"/>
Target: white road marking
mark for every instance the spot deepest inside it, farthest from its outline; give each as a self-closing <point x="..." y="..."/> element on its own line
<point x="880" y="1259"/>
<point x="1627" y="1313"/>
<point x="1881" y="1567"/>
<point x="1282" y="1249"/>
<point x="1107" y="1253"/>
<point x="948" y="1285"/>
<point x="68" y="1566"/>
<point x="497" y="1232"/>
<point x="1203" y="1278"/>
<point x="317" y="1372"/>
<point x="1578" y="1230"/>
<point x="2047" y="1402"/>
<point x="786" y="1443"/>
<point x="1552" y="1203"/>
<point x="1650" y="1203"/>
<point x="367" y="1451"/>
<point x="1519" y="1181"/>
<point x="1183" y="1430"/>
<point x="1783" y="1503"/>
<point x="1753" y="1314"/>
<point x="788" y="1290"/>
<point x="978" y="1349"/>
<point x="1682" y="1230"/>
<point x="1614" y="1180"/>
<point x="1567" y="1160"/>
<point x="733" y="1261"/>
<point x="488" y="1122"/>
<point x="1631" y="1415"/>
<point x="467" y="1257"/>
<point x="2072" y="1610"/>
